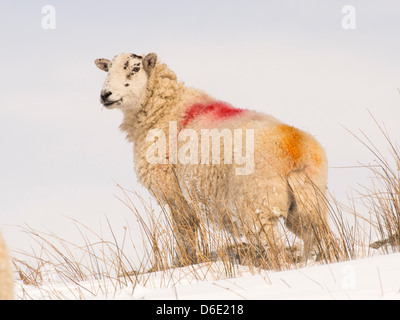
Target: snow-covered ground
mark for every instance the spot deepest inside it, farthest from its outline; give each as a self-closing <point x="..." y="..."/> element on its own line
<point x="376" y="277"/>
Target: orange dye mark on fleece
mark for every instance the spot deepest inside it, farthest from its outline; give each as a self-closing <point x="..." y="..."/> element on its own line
<point x="291" y="142"/>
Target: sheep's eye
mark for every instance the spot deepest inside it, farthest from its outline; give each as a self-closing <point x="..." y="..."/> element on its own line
<point x="136" y="69"/>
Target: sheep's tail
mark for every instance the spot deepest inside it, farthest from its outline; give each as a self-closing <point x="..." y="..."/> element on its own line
<point x="306" y="196"/>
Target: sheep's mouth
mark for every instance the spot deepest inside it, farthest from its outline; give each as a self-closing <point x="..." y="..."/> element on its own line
<point x="110" y="103"/>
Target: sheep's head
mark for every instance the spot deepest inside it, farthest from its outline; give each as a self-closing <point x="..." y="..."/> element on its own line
<point x="126" y="82"/>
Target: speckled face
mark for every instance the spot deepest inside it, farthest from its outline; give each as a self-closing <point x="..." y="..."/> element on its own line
<point x="125" y="85"/>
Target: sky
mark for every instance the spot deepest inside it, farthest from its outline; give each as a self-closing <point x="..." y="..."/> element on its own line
<point x="62" y="154"/>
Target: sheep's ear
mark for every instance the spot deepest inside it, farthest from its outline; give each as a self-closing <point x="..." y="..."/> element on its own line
<point x="149" y="62"/>
<point x="102" y="64"/>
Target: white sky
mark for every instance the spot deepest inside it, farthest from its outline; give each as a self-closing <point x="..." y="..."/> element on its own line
<point x="61" y="153"/>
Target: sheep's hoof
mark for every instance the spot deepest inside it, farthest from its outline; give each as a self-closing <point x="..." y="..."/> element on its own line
<point x="250" y="255"/>
<point x="184" y="260"/>
<point x="294" y="254"/>
<point x="393" y="240"/>
<point x="377" y="244"/>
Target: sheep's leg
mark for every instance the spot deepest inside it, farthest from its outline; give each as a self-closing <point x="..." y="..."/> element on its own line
<point x="185" y="227"/>
<point x="266" y="247"/>
<point x="307" y="214"/>
<point x="265" y="201"/>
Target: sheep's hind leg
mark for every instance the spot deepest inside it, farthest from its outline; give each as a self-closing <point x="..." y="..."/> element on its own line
<point x="307" y="213"/>
<point x="266" y="201"/>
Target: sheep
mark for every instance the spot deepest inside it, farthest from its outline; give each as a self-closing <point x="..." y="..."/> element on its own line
<point x="286" y="177"/>
<point x="6" y="279"/>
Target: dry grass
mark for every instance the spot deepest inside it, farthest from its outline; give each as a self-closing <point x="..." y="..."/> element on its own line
<point x="382" y="198"/>
<point x="100" y="265"/>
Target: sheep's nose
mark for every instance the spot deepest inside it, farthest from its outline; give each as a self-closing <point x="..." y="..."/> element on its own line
<point x="105" y="95"/>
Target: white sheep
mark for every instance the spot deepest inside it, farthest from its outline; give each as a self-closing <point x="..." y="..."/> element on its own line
<point x="282" y="175"/>
<point x="6" y="279"/>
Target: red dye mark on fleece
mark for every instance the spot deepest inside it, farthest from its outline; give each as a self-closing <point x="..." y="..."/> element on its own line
<point x="215" y="111"/>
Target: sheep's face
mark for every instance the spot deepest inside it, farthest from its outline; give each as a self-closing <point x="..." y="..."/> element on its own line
<point x="125" y="85"/>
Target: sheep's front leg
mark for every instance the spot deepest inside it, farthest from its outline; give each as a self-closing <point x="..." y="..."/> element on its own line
<point x="185" y="225"/>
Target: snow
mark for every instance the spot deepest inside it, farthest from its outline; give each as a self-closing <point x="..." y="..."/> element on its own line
<point x="376" y="277"/>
